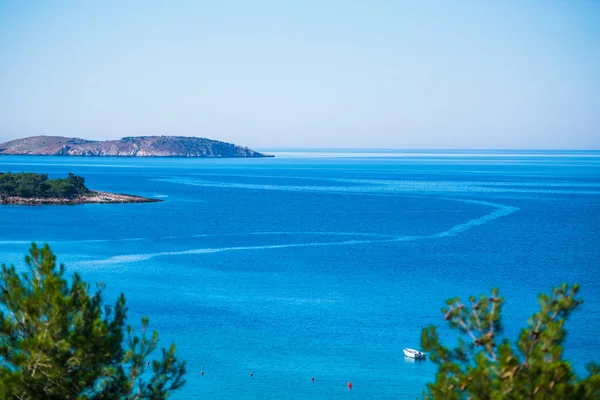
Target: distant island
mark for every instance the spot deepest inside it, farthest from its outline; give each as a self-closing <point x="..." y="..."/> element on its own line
<point x="36" y="189"/>
<point x="139" y="146"/>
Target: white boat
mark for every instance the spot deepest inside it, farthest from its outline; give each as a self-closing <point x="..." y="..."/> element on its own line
<point x="412" y="353"/>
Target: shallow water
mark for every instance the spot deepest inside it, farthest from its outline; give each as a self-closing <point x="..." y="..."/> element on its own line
<point x="324" y="264"/>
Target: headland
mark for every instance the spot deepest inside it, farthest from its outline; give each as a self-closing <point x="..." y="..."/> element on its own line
<point x="138" y="146"/>
<point x="36" y="189"/>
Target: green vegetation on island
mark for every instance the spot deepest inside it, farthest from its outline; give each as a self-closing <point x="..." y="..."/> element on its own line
<point x="486" y="366"/>
<point x="36" y="189"/>
<point x="59" y="341"/>
<point x="29" y="185"/>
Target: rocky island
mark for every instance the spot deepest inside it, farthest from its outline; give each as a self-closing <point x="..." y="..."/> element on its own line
<point x="139" y="146"/>
<point x="36" y="189"/>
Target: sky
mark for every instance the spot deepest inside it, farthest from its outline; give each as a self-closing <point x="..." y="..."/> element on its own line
<point x="305" y="74"/>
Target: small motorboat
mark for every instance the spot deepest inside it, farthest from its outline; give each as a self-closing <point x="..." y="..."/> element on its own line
<point x="412" y="353"/>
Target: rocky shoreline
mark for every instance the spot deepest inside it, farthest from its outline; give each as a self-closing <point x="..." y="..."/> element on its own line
<point x="93" y="197"/>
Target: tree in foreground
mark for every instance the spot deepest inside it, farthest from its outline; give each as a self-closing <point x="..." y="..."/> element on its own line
<point x="58" y="340"/>
<point x="488" y="367"/>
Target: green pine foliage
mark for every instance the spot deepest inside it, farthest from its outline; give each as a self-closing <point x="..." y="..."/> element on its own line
<point x="487" y="366"/>
<point x="30" y="185"/>
<point x="59" y="341"/>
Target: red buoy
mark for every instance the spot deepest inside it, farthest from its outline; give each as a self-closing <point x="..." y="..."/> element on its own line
<point x="349" y="385"/>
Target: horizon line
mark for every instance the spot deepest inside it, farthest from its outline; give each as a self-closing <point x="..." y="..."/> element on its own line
<point x="351" y="148"/>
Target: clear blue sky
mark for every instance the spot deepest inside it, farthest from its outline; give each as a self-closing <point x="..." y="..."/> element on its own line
<point x="378" y="74"/>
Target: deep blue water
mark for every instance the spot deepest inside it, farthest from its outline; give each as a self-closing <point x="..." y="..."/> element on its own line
<point x="324" y="263"/>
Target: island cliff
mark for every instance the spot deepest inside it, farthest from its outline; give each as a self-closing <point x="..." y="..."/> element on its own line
<point x="140" y="146"/>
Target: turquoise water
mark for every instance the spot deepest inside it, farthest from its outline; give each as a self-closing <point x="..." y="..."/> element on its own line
<point x="324" y="263"/>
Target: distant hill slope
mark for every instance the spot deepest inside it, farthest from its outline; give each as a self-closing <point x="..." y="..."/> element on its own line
<point x="140" y="146"/>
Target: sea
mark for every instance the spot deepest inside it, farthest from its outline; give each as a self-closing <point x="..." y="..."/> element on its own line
<point x="267" y="272"/>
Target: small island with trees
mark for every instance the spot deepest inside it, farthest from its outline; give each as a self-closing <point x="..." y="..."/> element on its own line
<point x="28" y="188"/>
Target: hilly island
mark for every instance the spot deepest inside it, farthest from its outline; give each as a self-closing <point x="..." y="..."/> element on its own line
<point x="139" y="146"/>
